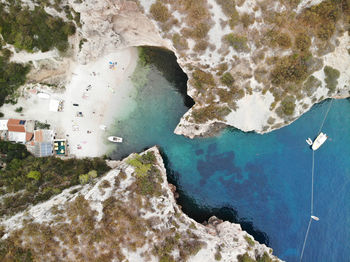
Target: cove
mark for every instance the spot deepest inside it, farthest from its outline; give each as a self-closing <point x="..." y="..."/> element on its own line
<point x="262" y="182"/>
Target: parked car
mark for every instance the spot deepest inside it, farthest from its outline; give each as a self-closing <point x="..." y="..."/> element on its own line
<point x="75" y="104"/>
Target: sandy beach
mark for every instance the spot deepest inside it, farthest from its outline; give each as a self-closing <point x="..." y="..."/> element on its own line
<point x="100" y="90"/>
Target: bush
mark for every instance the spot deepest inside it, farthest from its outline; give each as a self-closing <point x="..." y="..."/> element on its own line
<point x="331" y="79"/>
<point x="29" y="29"/>
<point x="292" y="68"/>
<point x="210" y="112"/>
<point x="201" y="46"/>
<point x="302" y="42"/>
<point x="239" y="43"/>
<point x="19" y="109"/>
<point x="288" y="105"/>
<point x="227" y="79"/>
<point x="12" y="76"/>
<point x="180" y="42"/>
<point x="202" y="78"/>
<point x="249" y="240"/>
<point x="159" y="12"/>
<point x="200" y="31"/>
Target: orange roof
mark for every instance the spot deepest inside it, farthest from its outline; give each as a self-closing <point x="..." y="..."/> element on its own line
<point x="29" y="136"/>
<point x="38" y="136"/>
<point x="15" y="125"/>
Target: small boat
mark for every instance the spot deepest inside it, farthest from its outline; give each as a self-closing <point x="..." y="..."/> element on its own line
<point x="115" y="139"/>
<point x="309" y="141"/>
<point x="103" y="127"/>
<point x="315" y="218"/>
<point x="320" y="139"/>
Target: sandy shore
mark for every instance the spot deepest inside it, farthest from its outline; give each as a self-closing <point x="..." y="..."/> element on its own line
<point x="103" y="95"/>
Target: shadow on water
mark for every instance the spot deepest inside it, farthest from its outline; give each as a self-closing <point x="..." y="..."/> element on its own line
<point x="202" y="213"/>
<point x="166" y="63"/>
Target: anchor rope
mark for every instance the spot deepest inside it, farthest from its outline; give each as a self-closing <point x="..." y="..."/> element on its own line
<point x="312" y="185"/>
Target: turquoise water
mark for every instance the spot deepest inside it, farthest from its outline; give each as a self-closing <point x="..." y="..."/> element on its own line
<point x="260" y="181"/>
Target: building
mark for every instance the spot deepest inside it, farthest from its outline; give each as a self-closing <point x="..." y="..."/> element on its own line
<point x="43" y="143"/>
<point x="20" y="131"/>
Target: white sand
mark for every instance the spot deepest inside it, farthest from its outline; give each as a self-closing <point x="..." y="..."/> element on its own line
<point x="110" y="97"/>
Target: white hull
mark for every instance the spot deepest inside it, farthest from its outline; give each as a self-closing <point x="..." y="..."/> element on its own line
<point x="309" y="141"/>
<point x="315" y="218"/>
<point x="115" y="139"/>
<point x="320" y="139"/>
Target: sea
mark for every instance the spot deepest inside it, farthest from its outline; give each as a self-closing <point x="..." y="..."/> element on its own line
<point x="262" y="182"/>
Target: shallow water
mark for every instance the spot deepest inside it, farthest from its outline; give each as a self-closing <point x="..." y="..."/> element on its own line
<point x="260" y="181"/>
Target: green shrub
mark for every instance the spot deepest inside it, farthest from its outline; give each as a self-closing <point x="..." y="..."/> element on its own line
<point x="201" y="46"/>
<point x="292" y="68"/>
<point x="159" y="12"/>
<point x="302" y="42"/>
<point x="29" y="29"/>
<point x="202" y="78"/>
<point x="227" y="79"/>
<point x="228" y="7"/>
<point x="288" y="105"/>
<point x="210" y="112"/>
<point x="239" y="43"/>
<point x="34" y="175"/>
<point x="311" y="85"/>
<point x="200" y="31"/>
<point x="247" y="19"/>
<point x="249" y="240"/>
<point x="180" y="42"/>
<point x="284" y="41"/>
<point x="12" y="76"/>
<point x="331" y="79"/>
<point x="19" y="109"/>
<point x="245" y="258"/>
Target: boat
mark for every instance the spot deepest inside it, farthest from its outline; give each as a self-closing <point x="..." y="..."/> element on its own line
<point x="315" y="218"/>
<point x="309" y="141"/>
<point x="320" y="139"/>
<point x="103" y="127"/>
<point x="115" y="139"/>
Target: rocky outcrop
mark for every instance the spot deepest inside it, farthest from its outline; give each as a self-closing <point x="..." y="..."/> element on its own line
<point x="128" y="214"/>
<point x="254" y="65"/>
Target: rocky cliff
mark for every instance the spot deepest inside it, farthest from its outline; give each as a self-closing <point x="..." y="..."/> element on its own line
<point x="130" y="214"/>
<point x="254" y="65"/>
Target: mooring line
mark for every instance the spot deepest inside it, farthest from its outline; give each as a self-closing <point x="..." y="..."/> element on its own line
<point x="312" y="184"/>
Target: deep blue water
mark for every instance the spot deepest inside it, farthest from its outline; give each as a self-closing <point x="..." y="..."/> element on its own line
<point x="260" y="181"/>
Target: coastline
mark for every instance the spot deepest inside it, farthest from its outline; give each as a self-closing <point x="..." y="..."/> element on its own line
<point x="102" y="92"/>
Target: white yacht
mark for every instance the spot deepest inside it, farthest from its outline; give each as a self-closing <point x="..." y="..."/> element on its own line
<point x="320" y="139"/>
<point x="115" y="139"/>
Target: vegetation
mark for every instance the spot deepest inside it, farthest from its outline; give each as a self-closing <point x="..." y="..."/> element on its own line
<point x="311" y="84"/>
<point x="33" y="29"/>
<point x="202" y="79"/>
<point x="292" y="68"/>
<point x="180" y="42"/>
<point x="148" y="179"/>
<point x="37" y="179"/>
<point x="122" y="228"/>
<point x="238" y="42"/>
<point x="12" y="76"/>
<point x="302" y="42"/>
<point x="19" y="109"/>
<point x="41" y="125"/>
<point x="159" y="12"/>
<point x="288" y="105"/>
<point x="249" y="240"/>
<point x="210" y="112"/>
<point x="331" y="79"/>
<point x="227" y="79"/>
